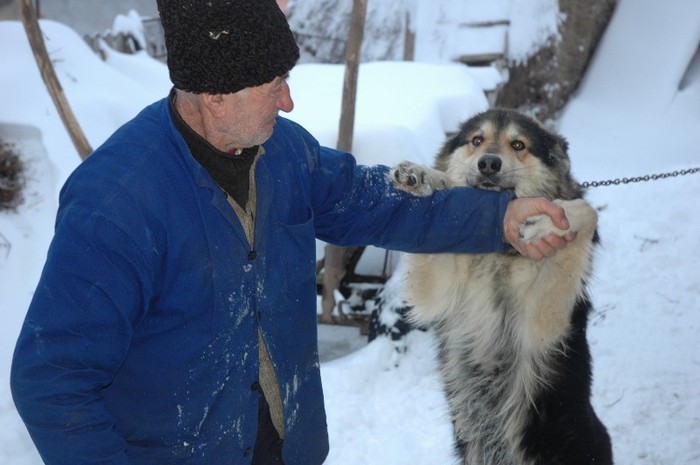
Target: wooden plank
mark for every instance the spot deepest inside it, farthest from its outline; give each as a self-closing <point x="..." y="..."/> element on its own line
<point x="483" y="24"/>
<point x="480" y="59"/>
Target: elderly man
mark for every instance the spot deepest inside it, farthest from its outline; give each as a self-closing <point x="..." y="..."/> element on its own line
<point x="175" y="319"/>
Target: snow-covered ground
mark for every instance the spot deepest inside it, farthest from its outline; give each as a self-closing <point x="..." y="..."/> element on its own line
<point x="628" y="119"/>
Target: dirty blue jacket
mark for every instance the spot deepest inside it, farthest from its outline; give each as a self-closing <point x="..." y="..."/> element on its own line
<point x="140" y="344"/>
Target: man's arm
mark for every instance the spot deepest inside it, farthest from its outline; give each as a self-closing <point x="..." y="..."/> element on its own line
<point x="357" y="205"/>
<point x="74" y="338"/>
<point x="422" y="181"/>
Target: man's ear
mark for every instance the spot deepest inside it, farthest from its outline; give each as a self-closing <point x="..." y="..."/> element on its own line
<point x="214" y="103"/>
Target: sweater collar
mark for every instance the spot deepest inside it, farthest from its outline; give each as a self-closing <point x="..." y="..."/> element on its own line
<point x="197" y="144"/>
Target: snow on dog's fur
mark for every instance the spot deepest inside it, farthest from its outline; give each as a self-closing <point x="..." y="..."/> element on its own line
<point x="513" y="352"/>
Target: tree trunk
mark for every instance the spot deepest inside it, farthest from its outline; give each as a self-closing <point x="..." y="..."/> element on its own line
<point x="544" y="83"/>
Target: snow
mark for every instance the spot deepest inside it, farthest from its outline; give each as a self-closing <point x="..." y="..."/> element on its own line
<point x="631" y="93"/>
<point x="531" y="27"/>
<point x="629" y="118"/>
<point x="394" y="105"/>
<point x="460" y="28"/>
<point x="130" y="24"/>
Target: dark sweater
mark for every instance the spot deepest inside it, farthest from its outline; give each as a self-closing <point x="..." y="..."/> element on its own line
<point x="230" y="171"/>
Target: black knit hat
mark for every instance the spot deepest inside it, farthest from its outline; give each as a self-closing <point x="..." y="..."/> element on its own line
<point x="223" y="46"/>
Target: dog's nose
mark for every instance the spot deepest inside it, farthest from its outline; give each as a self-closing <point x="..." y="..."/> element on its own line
<point x="489" y="164"/>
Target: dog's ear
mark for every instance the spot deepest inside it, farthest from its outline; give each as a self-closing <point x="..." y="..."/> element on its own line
<point x="563" y="143"/>
<point x="452" y="144"/>
<point x="458" y="140"/>
<point x="567" y="187"/>
<point x="558" y="150"/>
<point x="443" y="157"/>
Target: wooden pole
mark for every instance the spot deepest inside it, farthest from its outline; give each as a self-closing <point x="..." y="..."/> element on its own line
<point x="352" y="63"/>
<point x="336" y="259"/>
<point x="48" y="74"/>
<point x="409" y="44"/>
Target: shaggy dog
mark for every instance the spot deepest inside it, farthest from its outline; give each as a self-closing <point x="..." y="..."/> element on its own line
<point x="512" y="331"/>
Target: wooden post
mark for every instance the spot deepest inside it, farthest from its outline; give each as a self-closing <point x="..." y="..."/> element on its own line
<point x="336" y="258"/>
<point x="48" y="74"/>
<point x="409" y="43"/>
<point x="352" y="63"/>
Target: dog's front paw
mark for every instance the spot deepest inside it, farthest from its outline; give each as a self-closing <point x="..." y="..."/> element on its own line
<point x="581" y="216"/>
<point x="417" y="179"/>
<point x="536" y="227"/>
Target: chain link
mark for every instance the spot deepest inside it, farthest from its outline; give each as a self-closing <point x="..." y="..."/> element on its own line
<point x="648" y="177"/>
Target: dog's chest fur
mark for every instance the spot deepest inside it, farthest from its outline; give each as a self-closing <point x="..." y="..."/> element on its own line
<point x="496" y="341"/>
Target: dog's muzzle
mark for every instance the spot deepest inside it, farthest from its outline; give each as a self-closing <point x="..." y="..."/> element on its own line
<point x="489" y="178"/>
<point x="489" y="164"/>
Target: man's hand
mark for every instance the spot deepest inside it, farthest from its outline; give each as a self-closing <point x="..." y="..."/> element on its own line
<point x="519" y="210"/>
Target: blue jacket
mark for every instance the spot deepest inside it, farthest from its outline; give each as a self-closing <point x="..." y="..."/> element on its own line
<point x="140" y="344"/>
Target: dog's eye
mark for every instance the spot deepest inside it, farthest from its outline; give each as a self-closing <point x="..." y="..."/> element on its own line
<point x="477" y="140"/>
<point x="517" y="145"/>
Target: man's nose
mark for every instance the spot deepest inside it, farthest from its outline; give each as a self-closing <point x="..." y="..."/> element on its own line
<point x="285" y="102"/>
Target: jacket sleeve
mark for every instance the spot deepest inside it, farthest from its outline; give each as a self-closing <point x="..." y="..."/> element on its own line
<point x="359" y="205"/>
<point x="75" y="336"/>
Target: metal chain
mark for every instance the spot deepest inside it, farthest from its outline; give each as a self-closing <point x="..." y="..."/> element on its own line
<point x="648" y="177"/>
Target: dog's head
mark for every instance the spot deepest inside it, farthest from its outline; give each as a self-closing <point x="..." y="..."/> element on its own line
<point x="506" y="150"/>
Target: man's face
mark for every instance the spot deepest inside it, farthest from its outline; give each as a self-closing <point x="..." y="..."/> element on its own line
<point x="251" y="113"/>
